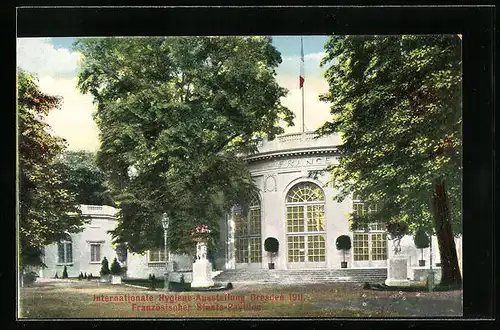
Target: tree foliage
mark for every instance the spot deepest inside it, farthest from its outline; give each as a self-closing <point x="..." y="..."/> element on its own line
<point x="47" y="210"/>
<point x="396" y="101"/>
<point x="175" y="114"/>
<point x="81" y="176"/>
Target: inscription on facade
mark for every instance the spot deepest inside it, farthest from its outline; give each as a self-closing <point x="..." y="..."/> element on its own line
<point x="303" y="162"/>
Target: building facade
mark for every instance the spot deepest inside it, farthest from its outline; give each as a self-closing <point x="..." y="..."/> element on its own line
<point x="296" y="205"/>
<point x="84" y="251"/>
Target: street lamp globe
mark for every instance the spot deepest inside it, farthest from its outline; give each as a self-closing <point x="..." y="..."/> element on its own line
<point x="165" y="221"/>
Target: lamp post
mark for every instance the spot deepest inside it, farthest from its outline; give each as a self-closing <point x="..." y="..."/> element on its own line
<point x="165" y="222"/>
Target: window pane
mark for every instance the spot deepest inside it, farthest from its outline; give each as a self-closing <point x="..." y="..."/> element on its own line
<point x="316" y="248"/>
<point x="295" y="219"/>
<point x="69" y="252"/>
<point x="95" y="252"/>
<point x="360" y="247"/>
<point x="315" y="218"/>
<point x="60" y="252"/>
<point x="379" y="246"/>
<point x="296" y="251"/>
<point x="305" y="192"/>
<point x="255" y="250"/>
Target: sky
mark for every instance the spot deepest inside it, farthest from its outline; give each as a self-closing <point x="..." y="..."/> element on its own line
<point x="55" y="64"/>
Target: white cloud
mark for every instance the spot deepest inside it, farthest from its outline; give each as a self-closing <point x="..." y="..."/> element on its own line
<point x="39" y="56"/>
<point x="314" y="56"/>
<point x="316" y="112"/>
<point x="73" y="121"/>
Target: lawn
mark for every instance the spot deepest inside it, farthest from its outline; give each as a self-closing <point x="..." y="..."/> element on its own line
<point x="87" y="299"/>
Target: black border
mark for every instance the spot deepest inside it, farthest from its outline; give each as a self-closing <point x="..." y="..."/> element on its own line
<point x="475" y="23"/>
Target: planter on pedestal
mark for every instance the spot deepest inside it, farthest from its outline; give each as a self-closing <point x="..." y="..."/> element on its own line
<point x="422" y="241"/>
<point x="343" y="243"/>
<point x="202" y="268"/>
<point x="271" y="245"/>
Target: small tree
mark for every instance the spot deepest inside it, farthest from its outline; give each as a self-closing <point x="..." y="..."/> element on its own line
<point x="65" y="272"/>
<point x="271" y="245"/>
<point x="343" y="243"/>
<point x="116" y="269"/>
<point x="104" y="267"/>
<point x="422" y="241"/>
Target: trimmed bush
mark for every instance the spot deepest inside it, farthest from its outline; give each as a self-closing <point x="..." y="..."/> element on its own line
<point x="116" y="269"/>
<point x="422" y="241"/>
<point x="65" y="272"/>
<point x="343" y="243"/>
<point x="104" y="267"/>
<point x="56" y="276"/>
<point x="271" y="245"/>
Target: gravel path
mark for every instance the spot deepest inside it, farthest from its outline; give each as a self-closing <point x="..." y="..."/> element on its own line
<point x="407" y="304"/>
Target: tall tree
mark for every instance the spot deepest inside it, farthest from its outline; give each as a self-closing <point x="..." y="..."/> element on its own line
<point x="396" y="101"/>
<point x="81" y="176"/>
<point x="175" y="114"/>
<point x="46" y="209"/>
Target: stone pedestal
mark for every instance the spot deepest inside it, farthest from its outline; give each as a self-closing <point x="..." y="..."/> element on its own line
<point x="397" y="271"/>
<point x="202" y="268"/>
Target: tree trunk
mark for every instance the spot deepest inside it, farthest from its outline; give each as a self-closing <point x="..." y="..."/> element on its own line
<point x="450" y="271"/>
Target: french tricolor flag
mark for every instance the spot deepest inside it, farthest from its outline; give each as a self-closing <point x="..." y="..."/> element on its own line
<point x="301" y="76"/>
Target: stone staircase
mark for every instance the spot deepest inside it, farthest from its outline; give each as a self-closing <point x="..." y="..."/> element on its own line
<point x="288" y="276"/>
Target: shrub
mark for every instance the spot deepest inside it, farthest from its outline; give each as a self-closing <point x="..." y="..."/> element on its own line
<point x="29" y="278"/>
<point x="421" y="239"/>
<point x="56" y="276"/>
<point x="85" y="275"/>
<point x="271" y="245"/>
<point x="65" y="272"/>
<point x="152" y="278"/>
<point x="116" y="269"/>
<point x="182" y="281"/>
<point x="80" y="276"/>
<point x="90" y="277"/>
<point x="343" y="243"/>
<point x="104" y="267"/>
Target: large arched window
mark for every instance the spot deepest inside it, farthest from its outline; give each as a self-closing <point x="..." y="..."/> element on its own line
<point x="248" y="234"/>
<point x="305" y="223"/>
<point x="65" y="250"/>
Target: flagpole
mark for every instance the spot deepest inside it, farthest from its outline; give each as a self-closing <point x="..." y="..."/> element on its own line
<point x="302" y="75"/>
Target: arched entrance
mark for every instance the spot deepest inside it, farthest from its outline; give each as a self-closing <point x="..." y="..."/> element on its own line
<point x="305" y="226"/>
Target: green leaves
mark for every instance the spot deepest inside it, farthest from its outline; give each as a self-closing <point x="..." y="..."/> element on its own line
<point x="180" y="110"/>
<point x="47" y="208"/>
<point x="396" y="101"/>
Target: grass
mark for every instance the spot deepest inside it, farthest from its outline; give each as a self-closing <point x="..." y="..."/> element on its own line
<point x="77" y="300"/>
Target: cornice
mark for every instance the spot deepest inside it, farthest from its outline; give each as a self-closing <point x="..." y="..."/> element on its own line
<point x="292" y="152"/>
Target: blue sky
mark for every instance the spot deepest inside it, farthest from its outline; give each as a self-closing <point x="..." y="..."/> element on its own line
<point x="55" y="64"/>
